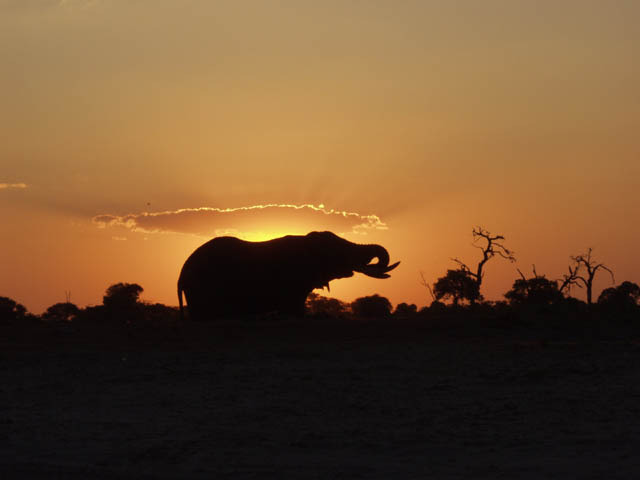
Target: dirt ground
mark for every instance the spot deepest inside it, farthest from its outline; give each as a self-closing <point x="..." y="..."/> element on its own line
<point x="316" y="400"/>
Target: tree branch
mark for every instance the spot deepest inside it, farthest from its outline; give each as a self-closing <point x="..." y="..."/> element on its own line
<point x="464" y="267"/>
<point x="427" y="286"/>
<point x="570" y="279"/>
<point x="604" y="267"/>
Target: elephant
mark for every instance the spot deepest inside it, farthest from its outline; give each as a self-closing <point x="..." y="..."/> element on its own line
<point x="227" y="277"/>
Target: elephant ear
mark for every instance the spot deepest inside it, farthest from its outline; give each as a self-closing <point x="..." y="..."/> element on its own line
<point x="322" y="260"/>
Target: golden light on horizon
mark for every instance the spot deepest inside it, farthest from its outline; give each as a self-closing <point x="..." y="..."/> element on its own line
<point x="261" y="236"/>
<point x="168" y="126"/>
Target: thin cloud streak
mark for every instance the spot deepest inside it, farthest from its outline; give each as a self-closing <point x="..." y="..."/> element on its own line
<point x="4" y="186"/>
<point x="76" y="3"/>
<point x="44" y="6"/>
<point x="244" y="221"/>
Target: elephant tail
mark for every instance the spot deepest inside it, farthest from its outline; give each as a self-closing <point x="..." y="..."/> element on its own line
<point x="180" y="302"/>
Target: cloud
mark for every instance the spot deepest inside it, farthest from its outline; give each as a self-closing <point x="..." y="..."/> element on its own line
<point x="34" y="6"/>
<point x="77" y="3"/>
<point x="4" y="186"/>
<point x="251" y="222"/>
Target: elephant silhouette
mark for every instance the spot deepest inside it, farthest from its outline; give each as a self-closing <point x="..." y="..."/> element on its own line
<point x="228" y="277"/>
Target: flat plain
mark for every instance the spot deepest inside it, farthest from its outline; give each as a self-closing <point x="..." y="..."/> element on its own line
<point x="317" y="399"/>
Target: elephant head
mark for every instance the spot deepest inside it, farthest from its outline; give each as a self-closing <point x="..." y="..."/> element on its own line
<point x="336" y="258"/>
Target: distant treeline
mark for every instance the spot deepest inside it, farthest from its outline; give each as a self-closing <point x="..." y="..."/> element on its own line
<point x="535" y="296"/>
<point x="457" y="293"/>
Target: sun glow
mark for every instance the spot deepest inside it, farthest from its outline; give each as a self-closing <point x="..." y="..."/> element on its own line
<point x="264" y="235"/>
<point x="400" y="128"/>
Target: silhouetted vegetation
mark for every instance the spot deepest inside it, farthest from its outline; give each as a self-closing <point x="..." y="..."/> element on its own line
<point x="457" y="285"/>
<point x="158" y="313"/>
<point x="324" y="307"/>
<point x="121" y="306"/>
<point x="405" y="311"/>
<point x="532" y="301"/>
<point x="586" y="262"/>
<point x="490" y="246"/>
<point x="435" y="307"/>
<point x="10" y="310"/>
<point x="373" y="306"/>
<point x="535" y="291"/>
<point x="122" y="302"/>
<point x="622" y="299"/>
<point x="61" y="312"/>
<point x="122" y="296"/>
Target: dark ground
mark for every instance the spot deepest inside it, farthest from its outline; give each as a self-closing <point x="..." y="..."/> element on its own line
<point x="313" y="399"/>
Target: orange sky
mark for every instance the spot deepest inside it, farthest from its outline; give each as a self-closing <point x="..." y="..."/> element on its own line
<point x="422" y="119"/>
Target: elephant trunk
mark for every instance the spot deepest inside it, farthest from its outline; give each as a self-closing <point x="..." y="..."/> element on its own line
<point x="379" y="269"/>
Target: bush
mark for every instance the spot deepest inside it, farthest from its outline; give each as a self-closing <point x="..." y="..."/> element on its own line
<point x="122" y="296"/>
<point x="405" y="310"/>
<point x="437" y="307"/>
<point x="158" y="314"/>
<point x="11" y="310"/>
<point x="121" y="302"/>
<point x="621" y="299"/>
<point x="320" y="306"/>
<point x="537" y="291"/>
<point x="61" y="312"/>
<point x="457" y="285"/>
<point x="373" y="306"/>
<point x="92" y="314"/>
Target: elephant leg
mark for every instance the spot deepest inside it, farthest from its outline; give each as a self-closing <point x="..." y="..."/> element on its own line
<point x="200" y="306"/>
<point x="294" y="304"/>
<point x="211" y="302"/>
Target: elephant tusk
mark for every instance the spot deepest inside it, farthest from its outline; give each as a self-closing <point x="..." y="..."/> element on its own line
<point x="377" y="272"/>
<point x="377" y="275"/>
<point x="391" y="267"/>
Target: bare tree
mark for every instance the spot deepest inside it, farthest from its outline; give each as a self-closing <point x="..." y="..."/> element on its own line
<point x="592" y="267"/>
<point x="535" y="273"/>
<point x="490" y="246"/>
<point x="570" y="279"/>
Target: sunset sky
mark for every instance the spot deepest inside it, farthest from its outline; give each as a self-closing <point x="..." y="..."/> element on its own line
<point x="133" y="131"/>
